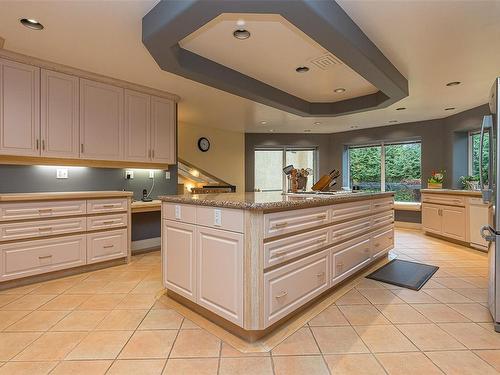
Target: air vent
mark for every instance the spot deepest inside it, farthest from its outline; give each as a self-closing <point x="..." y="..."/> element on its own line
<point x="325" y="62"/>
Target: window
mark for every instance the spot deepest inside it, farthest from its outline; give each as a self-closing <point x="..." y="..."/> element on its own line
<point x="269" y="164"/>
<point x="474" y="143"/>
<point x="387" y="167"/>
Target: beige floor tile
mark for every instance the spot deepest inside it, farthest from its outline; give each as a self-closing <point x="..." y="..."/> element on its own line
<point x="8" y="298"/>
<point x="102" y="302"/>
<point x="81" y="368"/>
<point x="433" y="284"/>
<point x="228" y="351"/>
<point x="472" y="335"/>
<point x="384" y="339"/>
<point x="29" y="302"/>
<point x="121" y="320"/>
<point x="381" y="296"/>
<point x="65" y="302"/>
<point x="348" y="364"/>
<point x="27" y="368"/>
<point x="149" y="344"/>
<point x="188" y="324"/>
<point x="408" y="364"/>
<point x="11" y="343"/>
<point x="80" y="320"/>
<point x="447" y="296"/>
<point x="118" y="287"/>
<point x="338" y="340"/>
<point x="100" y="345"/>
<point x="363" y="314"/>
<point x="440" y="313"/>
<point x="246" y="366"/>
<point x="162" y="319"/>
<point x="490" y="356"/>
<point x="8" y="317"/>
<point x="300" y="343"/>
<point x="352" y="297"/>
<point x="51" y="346"/>
<point x="205" y="366"/>
<point x="331" y="316"/>
<point x="21" y="290"/>
<point x="478" y="282"/>
<point x="54" y="287"/>
<point x="454" y="283"/>
<point x="86" y="287"/>
<point x="473" y="311"/>
<point x="365" y="283"/>
<point x="38" y="321"/>
<point x="135" y="367"/>
<point x="148" y="287"/>
<point x="137" y="301"/>
<point x="460" y="363"/>
<point x="412" y="296"/>
<point x="429" y="337"/>
<point x="300" y="365"/>
<point x="195" y="343"/>
<point x="476" y="294"/>
<point x="400" y="314"/>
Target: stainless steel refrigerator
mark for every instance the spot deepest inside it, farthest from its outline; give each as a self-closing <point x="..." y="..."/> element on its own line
<point x="491" y="194"/>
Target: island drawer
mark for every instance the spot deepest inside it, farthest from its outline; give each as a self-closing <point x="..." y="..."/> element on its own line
<point x="221" y="218"/>
<point x="41" y="228"/>
<point x="450" y="200"/>
<point x="107" y="221"/>
<point x="352" y="228"/>
<point x="350" y="256"/>
<point x="100" y="206"/>
<point x="102" y="246"/>
<point x="382" y="204"/>
<point x="344" y="211"/>
<point x="382" y="240"/>
<point x="284" y="249"/>
<point x="179" y="212"/>
<point x="38" y="210"/>
<point x="382" y="219"/>
<point x="28" y="258"/>
<point x="279" y="223"/>
<point x="291" y="286"/>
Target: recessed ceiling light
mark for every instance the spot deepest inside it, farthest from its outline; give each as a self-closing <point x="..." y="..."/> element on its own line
<point x="302" y="69"/>
<point x="339" y="90"/>
<point x="393" y="121"/>
<point x="317" y="123"/>
<point x="454" y="83"/>
<point x="271" y="130"/>
<point x="449" y="109"/>
<point x="241" y="34"/>
<point x="263" y="122"/>
<point x="30" y="23"/>
<point x="400" y="109"/>
<point x="307" y="130"/>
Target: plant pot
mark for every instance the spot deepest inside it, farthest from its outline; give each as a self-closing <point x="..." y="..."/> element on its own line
<point x="434" y="185"/>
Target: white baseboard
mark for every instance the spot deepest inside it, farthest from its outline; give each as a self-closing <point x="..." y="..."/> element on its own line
<point x="147" y="244"/>
<point x="404" y="224"/>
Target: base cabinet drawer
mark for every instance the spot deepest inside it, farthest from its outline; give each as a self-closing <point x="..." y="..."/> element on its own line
<point x="41" y="228"/>
<point x="443" y="199"/>
<point x="382" y="219"/>
<point x="291" y="286"/>
<point x="100" y="206"/>
<point x="279" y="223"/>
<point x="40" y="210"/>
<point x="41" y="256"/>
<point x="106" y="221"/>
<point x="108" y="245"/>
<point x="382" y="241"/>
<point x="353" y="255"/>
<point x="343" y="211"/>
<point x="353" y="228"/>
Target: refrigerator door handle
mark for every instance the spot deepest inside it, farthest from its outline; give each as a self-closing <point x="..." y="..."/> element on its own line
<point x="487" y="234"/>
<point x="487" y="124"/>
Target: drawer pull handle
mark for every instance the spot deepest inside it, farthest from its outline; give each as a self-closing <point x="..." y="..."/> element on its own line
<point x="108" y="205"/>
<point x="391" y="238"/>
<point x="280" y="225"/>
<point x="281" y="295"/>
<point x="281" y="253"/>
<point x="45" y="257"/>
<point x="340" y="265"/>
<point x="108" y="222"/>
<point x="321" y="217"/>
<point x="45" y="228"/>
<point x="41" y="210"/>
<point x="321" y="274"/>
<point x="108" y="246"/>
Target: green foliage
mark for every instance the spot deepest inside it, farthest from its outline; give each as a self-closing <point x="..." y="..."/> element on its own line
<point x="476" y="141"/>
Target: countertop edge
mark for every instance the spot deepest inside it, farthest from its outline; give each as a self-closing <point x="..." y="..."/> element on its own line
<point x="471" y="193"/>
<point x="45" y="196"/>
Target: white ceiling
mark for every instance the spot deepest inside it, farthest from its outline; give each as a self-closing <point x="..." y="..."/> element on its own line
<point x="430" y="42"/>
<point x="271" y="55"/>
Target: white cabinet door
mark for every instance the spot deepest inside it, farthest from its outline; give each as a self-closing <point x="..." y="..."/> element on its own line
<point x="454" y="222"/>
<point x="101" y="121"/>
<point x="431" y="218"/>
<point x="137" y="126"/>
<point x="19" y="109"/>
<point x="163" y="130"/>
<point x="59" y="115"/>
<point x="179" y="257"/>
<point x="220" y="273"/>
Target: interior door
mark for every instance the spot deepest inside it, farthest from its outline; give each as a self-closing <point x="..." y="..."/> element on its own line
<point x="137" y="126"/>
<point x="163" y="120"/>
<point x="431" y="218"/>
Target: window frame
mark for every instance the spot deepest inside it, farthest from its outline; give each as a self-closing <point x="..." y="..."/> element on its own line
<point x="470" y="146"/>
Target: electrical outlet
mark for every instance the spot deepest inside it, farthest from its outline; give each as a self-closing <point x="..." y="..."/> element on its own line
<point x="129" y="175"/>
<point x="167" y="175"/>
<point x="61" y="173"/>
<point x="217" y="217"/>
<point x="177" y="212"/>
<point x="151" y="174"/>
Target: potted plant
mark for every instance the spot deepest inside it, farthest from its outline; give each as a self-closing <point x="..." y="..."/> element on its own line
<point x="436" y="179"/>
<point x="470" y="182"/>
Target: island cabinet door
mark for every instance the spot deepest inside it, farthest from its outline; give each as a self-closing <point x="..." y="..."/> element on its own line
<point x="431" y="218"/>
<point x="179" y="258"/>
<point x="220" y="273"/>
<point x="454" y="222"/>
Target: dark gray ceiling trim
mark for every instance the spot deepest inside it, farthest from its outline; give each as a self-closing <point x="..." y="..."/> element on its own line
<point x="323" y="20"/>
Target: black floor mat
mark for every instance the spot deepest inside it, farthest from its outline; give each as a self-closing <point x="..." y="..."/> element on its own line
<point x="403" y="273"/>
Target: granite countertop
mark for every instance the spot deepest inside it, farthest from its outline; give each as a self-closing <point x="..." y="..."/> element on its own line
<point x="19" y="197"/>
<point x="265" y="201"/>
<point x="471" y="193"/>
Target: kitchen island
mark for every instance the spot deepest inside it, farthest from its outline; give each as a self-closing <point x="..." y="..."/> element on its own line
<point x="248" y="261"/>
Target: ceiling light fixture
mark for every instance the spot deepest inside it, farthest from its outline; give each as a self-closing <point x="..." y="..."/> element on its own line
<point x="302" y="69"/>
<point x="400" y="109"/>
<point x="449" y="109"/>
<point x="263" y="122"/>
<point x="271" y="130"/>
<point x="241" y="34"/>
<point x="454" y="83"/>
<point x="339" y="90"/>
<point x="30" y="23"/>
<point x="240" y="23"/>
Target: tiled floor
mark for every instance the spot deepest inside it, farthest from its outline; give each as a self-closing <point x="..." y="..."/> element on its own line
<point x="109" y="322"/>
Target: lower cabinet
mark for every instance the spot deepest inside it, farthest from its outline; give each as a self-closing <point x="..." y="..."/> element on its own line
<point x="350" y="256"/>
<point x="103" y="246"/>
<point x="431" y="218"/>
<point x="448" y="221"/>
<point x="40" y="256"/>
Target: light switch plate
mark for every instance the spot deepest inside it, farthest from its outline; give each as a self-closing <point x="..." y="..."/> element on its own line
<point x="151" y="174"/>
<point x="177" y="212"/>
<point x="167" y="175"/>
<point x="129" y="175"/>
<point x="61" y="173"/>
<point x="217" y="217"/>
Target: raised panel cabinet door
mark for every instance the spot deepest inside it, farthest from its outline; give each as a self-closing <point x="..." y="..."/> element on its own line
<point x="220" y="273"/>
<point x="137" y="126"/>
<point x="454" y="223"/>
<point x="179" y="258"/>
<point x="101" y="121"/>
<point x="163" y="130"/>
<point x="19" y="109"/>
<point x="431" y="218"/>
<point x="59" y="115"/>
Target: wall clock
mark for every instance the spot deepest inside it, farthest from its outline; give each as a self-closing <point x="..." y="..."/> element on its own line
<point x="203" y="144"/>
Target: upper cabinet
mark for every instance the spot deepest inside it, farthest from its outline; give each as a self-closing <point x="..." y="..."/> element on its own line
<point x="101" y="121"/>
<point x="137" y="126"/>
<point x="163" y="120"/>
<point x="59" y="115"/>
<point x="19" y="109"/>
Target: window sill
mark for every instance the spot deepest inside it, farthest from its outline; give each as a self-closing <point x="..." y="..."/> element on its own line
<point x="407" y="206"/>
